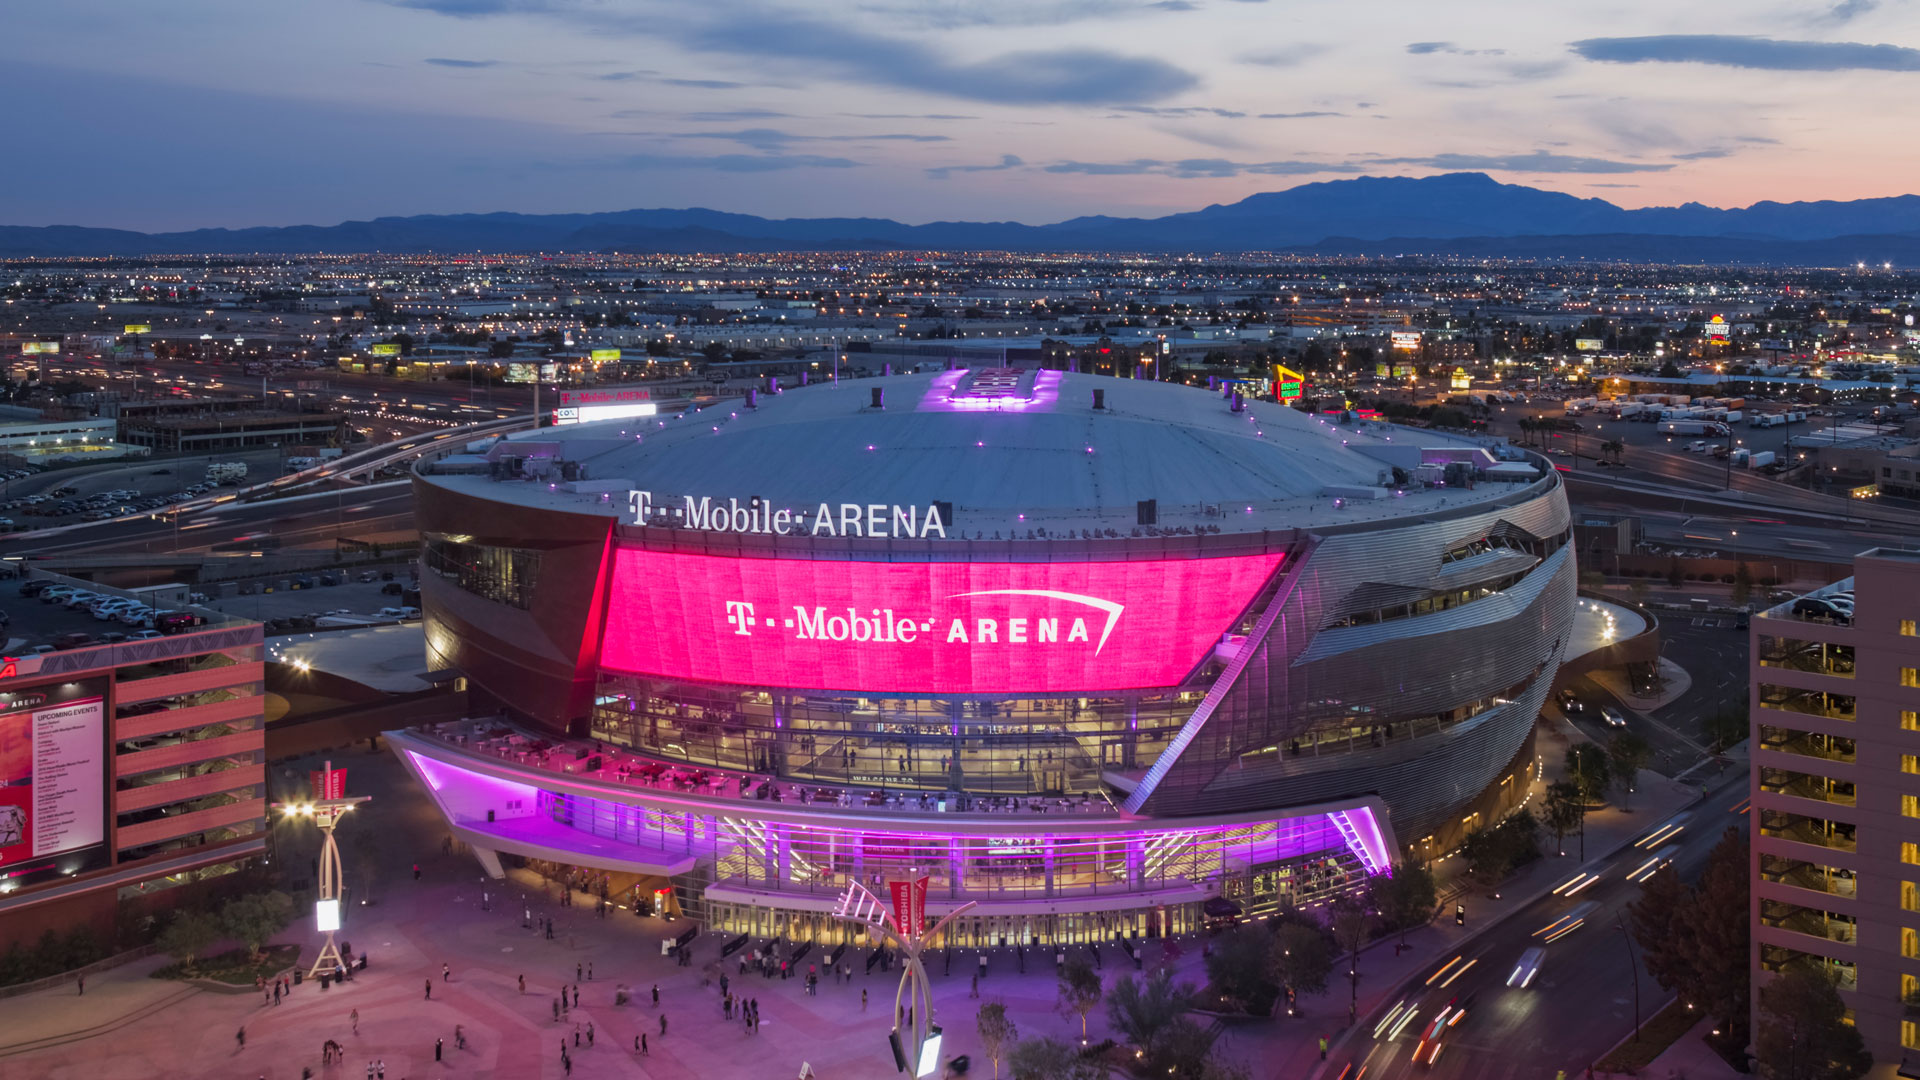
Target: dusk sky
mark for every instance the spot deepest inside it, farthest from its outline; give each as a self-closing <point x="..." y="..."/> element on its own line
<point x="238" y="112"/>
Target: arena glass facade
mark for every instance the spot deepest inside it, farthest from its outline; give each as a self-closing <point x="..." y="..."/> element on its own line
<point x="1088" y="735"/>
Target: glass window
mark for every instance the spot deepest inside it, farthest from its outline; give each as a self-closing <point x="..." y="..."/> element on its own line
<point x="1907" y="628"/>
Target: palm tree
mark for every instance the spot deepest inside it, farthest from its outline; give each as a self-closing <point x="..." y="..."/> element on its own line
<point x="1526" y="430"/>
<point x="1614" y="448"/>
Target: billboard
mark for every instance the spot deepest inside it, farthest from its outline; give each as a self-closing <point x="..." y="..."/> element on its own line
<point x="1407" y="340"/>
<point x="139" y="328"/>
<point x="951" y="627"/>
<point x="385" y="348"/>
<point x="603" y="356"/>
<point x="53" y="771"/>
<point x="39" y="348"/>
<point x="1287" y="383"/>
<point x="1717" y="326"/>
<point x="1589" y="344"/>
<point x="603" y="403"/>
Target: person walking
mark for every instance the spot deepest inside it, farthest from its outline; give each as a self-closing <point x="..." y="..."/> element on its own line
<point x="576" y="1035"/>
<point x="643" y="1044"/>
<point x="656" y="995"/>
<point x="459" y="1037"/>
<point x="439" y="1045"/>
<point x="576" y="997"/>
<point x="240" y="1039"/>
<point x="863" y="998"/>
<point x="276" y="991"/>
<point x="663" y="1025"/>
<point x="369" y="1070"/>
<point x="429" y="989"/>
<point x="589" y="971"/>
<point x="589" y="1034"/>
<point x="523" y="984"/>
<point x="445" y="972"/>
<point x="81" y="981"/>
<point x="416" y="871"/>
<point x="354" y="1017"/>
<point x="576" y="973"/>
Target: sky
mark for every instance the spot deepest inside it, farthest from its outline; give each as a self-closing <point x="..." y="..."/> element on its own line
<point x="236" y="112"/>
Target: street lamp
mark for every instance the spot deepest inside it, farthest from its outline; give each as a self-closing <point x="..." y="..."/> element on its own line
<point x="326" y="812"/>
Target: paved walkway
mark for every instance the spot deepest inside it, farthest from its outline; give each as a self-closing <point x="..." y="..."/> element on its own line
<point x="1691" y="1058"/>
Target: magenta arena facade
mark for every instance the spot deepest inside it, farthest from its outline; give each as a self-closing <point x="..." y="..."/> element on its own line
<point x="1101" y="657"/>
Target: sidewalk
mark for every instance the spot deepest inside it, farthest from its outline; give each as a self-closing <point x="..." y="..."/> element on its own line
<point x="113" y="998"/>
<point x="1674" y="681"/>
<point x="1692" y="1058"/>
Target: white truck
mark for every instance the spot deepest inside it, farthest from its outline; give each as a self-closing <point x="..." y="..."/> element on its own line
<point x="1692" y="427"/>
<point x="1760" y="459"/>
<point x="226" y="472"/>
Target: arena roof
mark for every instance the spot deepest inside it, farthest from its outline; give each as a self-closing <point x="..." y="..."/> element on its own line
<point x="998" y="445"/>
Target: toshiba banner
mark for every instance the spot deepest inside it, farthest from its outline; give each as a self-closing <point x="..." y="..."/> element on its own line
<point x="923" y="627"/>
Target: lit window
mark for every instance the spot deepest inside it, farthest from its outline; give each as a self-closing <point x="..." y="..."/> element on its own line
<point x="1910" y="1035"/>
<point x="1910" y="853"/>
<point x="1910" y="896"/>
<point x="1909" y="720"/>
<point x="1909" y="763"/>
<point x="1909" y="945"/>
<point x="1906" y="628"/>
<point x="1909" y="676"/>
<point x="1910" y="806"/>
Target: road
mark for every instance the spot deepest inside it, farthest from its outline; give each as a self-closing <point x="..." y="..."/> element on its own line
<point x="1582" y="1001"/>
<point x="290" y="522"/>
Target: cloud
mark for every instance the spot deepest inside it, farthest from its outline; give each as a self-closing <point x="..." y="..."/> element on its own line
<point x="1846" y="11"/>
<point x="736" y="114"/>
<point x="773" y="139"/>
<point x="1007" y="161"/>
<point x="1423" y="48"/>
<point x="768" y="35"/>
<point x="624" y="76"/>
<point x="1285" y="56"/>
<point x="1175" y="5"/>
<point x="473" y="9"/>
<point x="908" y="116"/>
<point x="739" y="163"/>
<point x="1193" y="168"/>
<point x="1298" y="115"/>
<point x="447" y="61"/>
<point x="1759" y="53"/>
<point x="1540" y="161"/>
<point x="1703" y="155"/>
<point x="1181" y="110"/>
<point x="705" y="84"/>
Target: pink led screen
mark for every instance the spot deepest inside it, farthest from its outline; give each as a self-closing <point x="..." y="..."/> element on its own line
<point x="922" y="627"/>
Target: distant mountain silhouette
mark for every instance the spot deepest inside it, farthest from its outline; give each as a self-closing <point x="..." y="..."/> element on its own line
<point x="1458" y="213"/>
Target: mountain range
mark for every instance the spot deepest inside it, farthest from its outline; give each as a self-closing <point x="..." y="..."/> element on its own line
<point x="1462" y="214"/>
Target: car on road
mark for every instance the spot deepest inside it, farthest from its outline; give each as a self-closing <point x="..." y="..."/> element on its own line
<point x="1527" y="968"/>
<point x="1570" y="702"/>
<point x="1612" y="716"/>
<point x="1433" y="1039"/>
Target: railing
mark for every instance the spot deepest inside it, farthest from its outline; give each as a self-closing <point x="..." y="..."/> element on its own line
<point x="1805" y="831"/>
<point x="1802" y="786"/>
<point x="1807" y="744"/>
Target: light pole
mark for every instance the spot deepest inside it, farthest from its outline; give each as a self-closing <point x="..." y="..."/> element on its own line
<point x="901" y="927"/>
<point x="326" y="812"/>
<point x="1635" y="965"/>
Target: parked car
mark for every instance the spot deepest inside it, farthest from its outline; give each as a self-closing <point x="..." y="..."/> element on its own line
<point x="392" y="588"/>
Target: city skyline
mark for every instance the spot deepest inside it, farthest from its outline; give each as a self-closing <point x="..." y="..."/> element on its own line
<point x="1036" y="112"/>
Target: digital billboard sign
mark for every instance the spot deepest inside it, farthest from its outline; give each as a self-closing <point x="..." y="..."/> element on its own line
<point x="950" y="627"/>
<point x="52" y="782"/>
<point x="385" y="348"/>
<point x="39" y="348"/>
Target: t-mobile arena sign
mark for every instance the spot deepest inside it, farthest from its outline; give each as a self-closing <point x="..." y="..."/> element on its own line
<point x="946" y="628"/>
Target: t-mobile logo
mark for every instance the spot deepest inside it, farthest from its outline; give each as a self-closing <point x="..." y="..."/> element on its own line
<point x="740" y="617"/>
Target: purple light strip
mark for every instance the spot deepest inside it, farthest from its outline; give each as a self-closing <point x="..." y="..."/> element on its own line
<point x="1362" y="832"/>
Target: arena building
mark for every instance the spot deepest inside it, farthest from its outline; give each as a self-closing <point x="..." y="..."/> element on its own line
<point x="1104" y="655"/>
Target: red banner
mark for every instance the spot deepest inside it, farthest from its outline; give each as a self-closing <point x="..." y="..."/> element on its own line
<point x="328" y="785"/>
<point x="909" y="905"/>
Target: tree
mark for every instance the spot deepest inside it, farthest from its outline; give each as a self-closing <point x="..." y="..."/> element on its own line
<point x="1669" y="370"/>
<point x="1300" y="960"/>
<point x="1626" y="753"/>
<point x="1405" y="898"/>
<point x="1050" y="1059"/>
<point x="188" y="935"/>
<point x="1143" y="1008"/>
<point x="1656" y="919"/>
<point x="1184" y="1051"/>
<point x="1613" y="448"/>
<point x="1676" y="573"/>
<point x="997" y="1032"/>
<point x="1562" y="809"/>
<point x="1587" y="767"/>
<point x="1237" y="966"/>
<point x="1351" y="926"/>
<point x="1806" y="1036"/>
<point x="1079" y="990"/>
<point x="1742" y="584"/>
<point x="1716" y="939"/>
<point x="253" y="920"/>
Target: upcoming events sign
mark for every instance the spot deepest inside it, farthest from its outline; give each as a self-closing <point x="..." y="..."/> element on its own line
<point x="943" y="627"/>
<point x="52" y="781"/>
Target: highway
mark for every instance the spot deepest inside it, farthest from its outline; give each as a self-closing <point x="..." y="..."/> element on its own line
<point x="1582" y="1000"/>
<point x="290" y="522"/>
